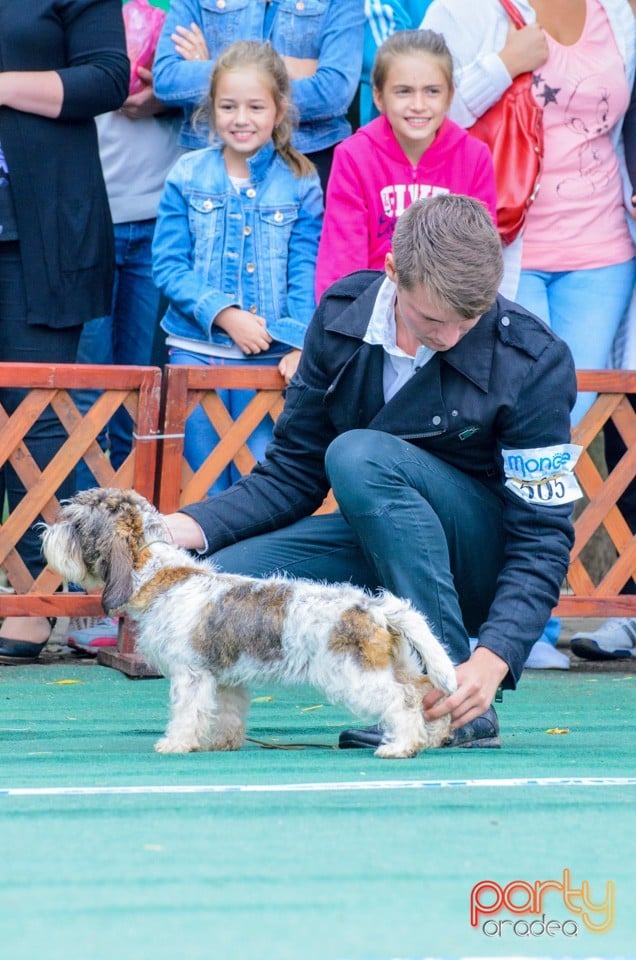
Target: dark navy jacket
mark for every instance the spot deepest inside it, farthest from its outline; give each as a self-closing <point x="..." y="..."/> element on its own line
<point x="508" y="384"/>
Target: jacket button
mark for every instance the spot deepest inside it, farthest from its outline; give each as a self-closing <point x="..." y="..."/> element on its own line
<point x="247" y="231"/>
<point x="253" y="308"/>
<point x="207" y="204"/>
<point x="505" y="321"/>
<point x="250" y="268"/>
<point x="250" y="192"/>
<point x="436" y="421"/>
<point x="300" y="5"/>
<point x="278" y="216"/>
<point x="221" y="4"/>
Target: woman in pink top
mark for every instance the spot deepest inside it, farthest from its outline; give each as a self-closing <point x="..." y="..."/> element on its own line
<point x="578" y="266"/>
<point x="412" y="151"/>
<point x="576" y="252"/>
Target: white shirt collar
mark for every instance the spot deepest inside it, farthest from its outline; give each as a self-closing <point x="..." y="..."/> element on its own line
<point x="399" y="366"/>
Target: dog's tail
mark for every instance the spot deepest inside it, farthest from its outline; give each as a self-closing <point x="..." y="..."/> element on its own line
<point x="402" y="617"/>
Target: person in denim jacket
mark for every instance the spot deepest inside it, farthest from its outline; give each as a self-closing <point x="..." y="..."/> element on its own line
<point x="321" y="44"/>
<point x="237" y="238"/>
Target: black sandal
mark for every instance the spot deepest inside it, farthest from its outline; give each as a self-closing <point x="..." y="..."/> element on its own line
<point x="16" y="652"/>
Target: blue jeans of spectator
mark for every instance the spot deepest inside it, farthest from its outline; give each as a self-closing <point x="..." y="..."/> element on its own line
<point x="21" y="342"/>
<point x="584" y="308"/>
<point x="408" y="522"/>
<point x="200" y="435"/>
<point x="124" y="337"/>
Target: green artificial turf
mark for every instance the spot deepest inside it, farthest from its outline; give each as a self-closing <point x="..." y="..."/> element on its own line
<point x="317" y="873"/>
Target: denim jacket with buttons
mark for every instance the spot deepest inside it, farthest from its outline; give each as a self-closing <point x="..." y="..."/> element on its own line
<point x="255" y="249"/>
<point x="330" y="31"/>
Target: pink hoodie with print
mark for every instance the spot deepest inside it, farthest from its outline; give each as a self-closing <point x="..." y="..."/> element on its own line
<point x="372" y="182"/>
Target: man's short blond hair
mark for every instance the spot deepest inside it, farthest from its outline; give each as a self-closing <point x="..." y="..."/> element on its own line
<point x="450" y="246"/>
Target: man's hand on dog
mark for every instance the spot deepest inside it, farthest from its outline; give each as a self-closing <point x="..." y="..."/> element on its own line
<point x="477" y="683"/>
<point x="185" y="531"/>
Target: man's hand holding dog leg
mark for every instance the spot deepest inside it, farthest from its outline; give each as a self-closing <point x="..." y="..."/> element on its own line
<point x="477" y="682"/>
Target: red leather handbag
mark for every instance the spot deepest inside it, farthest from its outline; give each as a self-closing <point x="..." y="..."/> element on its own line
<point x="513" y="130"/>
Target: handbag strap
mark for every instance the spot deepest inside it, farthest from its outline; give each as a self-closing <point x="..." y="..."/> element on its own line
<point x="513" y="13"/>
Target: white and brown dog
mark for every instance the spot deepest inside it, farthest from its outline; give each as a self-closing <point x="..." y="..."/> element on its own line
<point x="211" y="633"/>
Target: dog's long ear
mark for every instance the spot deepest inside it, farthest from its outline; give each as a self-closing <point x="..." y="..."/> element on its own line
<point x="118" y="579"/>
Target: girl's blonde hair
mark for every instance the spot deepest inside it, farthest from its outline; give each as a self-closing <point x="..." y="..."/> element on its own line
<point x="406" y="42"/>
<point x="262" y="57"/>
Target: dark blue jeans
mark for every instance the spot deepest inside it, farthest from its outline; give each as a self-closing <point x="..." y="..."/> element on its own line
<point x="22" y="342"/>
<point x="408" y="522"/>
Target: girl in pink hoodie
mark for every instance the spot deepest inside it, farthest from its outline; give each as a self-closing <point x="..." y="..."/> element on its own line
<point x="412" y="151"/>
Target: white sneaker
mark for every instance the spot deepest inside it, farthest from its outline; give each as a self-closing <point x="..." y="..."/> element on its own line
<point x="614" y="640"/>
<point x="544" y="656"/>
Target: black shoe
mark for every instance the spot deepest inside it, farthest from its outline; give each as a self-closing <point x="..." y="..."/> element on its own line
<point x="365" y="737"/>
<point x="482" y="732"/>
<point x="17" y="652"/>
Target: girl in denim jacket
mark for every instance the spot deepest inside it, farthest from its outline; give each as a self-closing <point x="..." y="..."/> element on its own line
<point x="237" y="238"/>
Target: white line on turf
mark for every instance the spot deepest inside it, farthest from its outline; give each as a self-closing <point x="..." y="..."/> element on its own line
<point x="333" y="787"/>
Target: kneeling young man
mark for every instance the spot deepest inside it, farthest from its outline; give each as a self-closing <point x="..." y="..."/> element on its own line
<point x="439" y="414"/>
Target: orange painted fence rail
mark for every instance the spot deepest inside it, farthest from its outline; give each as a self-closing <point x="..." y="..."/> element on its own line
<point x="159" y="404"/>
<point x="582" y="596"/>
<point x="138" y="389"/>
<point x="184" y="388"/>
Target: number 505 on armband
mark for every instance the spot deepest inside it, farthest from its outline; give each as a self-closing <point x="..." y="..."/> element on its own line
<point x="543" y="476"/>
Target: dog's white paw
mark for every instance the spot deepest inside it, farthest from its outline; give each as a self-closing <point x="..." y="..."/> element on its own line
<point x="169" y="745"/>
<point x="395" y="751"/>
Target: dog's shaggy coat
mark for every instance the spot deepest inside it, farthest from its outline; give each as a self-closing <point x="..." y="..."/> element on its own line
<point x="212" y="633"/>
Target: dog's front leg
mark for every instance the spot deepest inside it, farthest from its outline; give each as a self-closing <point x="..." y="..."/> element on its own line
<point x="193" y="710"/>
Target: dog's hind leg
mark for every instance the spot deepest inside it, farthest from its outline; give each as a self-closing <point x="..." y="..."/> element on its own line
<point x="405" y="730"/>
<point x="233" y="704"/>
<point x="193" y="712"/>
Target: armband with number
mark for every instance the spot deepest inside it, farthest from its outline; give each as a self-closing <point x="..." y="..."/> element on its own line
<point x="543" y="476"/>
